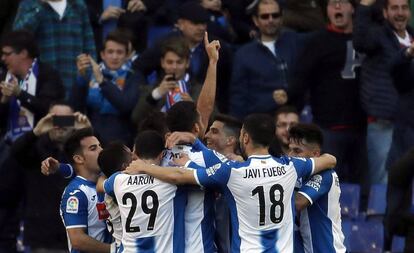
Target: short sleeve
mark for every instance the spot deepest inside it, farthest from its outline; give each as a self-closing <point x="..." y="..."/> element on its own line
<point x="317" y="186"/>
<point x="109" y="184"/>
<point x="304" y="166"/>
<point x="74" y="209"/>
<point x="212" y="177"/>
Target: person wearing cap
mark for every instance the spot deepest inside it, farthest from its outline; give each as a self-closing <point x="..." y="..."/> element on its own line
<point x="261" y="66"/>
<point x="191" y="25"/>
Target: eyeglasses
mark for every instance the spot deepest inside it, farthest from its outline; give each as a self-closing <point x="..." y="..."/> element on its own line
<point x="265" y="16"/>
<point x="335" y="2"/>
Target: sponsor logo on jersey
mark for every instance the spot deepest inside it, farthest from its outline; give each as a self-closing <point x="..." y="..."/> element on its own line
<point x="315" y="182"/>
<point x="72" y="205"/>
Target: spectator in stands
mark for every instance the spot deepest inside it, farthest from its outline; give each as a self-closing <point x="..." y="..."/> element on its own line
<point x="304" y="15"/>
<point x="261" y="66"/>
<point x="399" y="216"/>
<point x="106" y="16"/>
<point x="42" y="194"/>
<point x="62" y="31"/>
<point x="403" y="73"/>
<point x="174" y="82"/>
<point x="218" y="24"/>
<point x="110" y="92"/>
<point x="191" y="25"/>
<point x="29" y="86"/>
<point x="381" y="44"/>
<point x="333" y="81"/>
<point x="285" y="117"/>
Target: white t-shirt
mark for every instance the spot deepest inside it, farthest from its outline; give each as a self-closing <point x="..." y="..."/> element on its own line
<point x="270" y="45"/>
<point x="59" y="7"/>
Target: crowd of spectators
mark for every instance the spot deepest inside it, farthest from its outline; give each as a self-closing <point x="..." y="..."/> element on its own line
<point x="110" y="64"/>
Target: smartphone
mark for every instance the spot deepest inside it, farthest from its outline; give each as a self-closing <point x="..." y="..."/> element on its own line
<point x="172" y="78"/>
<point x="64" y="121"/>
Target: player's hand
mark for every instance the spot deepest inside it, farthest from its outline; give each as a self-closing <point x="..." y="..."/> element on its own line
<point x="135" y="167"/>
<point x="280" y="97"/>
<point x="96" y="70"/>
<point x="83" y="63"/>
<point x="44" y="125"/>
<point x="234" y="157"/>
<point x="212" y="49"/>
<point x="179" y="137"/>
<point x="112" y="13"/>
<point x="49" y="166"/>
<point x="136" y="5"/>
<point x="181" y="160"/>
<point x="81" y="120"/>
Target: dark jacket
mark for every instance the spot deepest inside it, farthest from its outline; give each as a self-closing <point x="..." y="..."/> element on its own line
<point x="257" y="73"/>
<point x="49" y="88"/>
<point x="149" y="61"/>
<point x="43" y="225"/>
<point x="111" y="126"/>
<point x="379" y="97"/>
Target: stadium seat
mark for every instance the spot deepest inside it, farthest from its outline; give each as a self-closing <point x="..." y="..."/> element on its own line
<point x="377" y="200"/>
<point x="365" y="236"/>
<point x="349" y="200"/>
<point x="398" y="244"/>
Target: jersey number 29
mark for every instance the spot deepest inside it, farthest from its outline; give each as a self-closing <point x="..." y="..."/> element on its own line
<point x="147" y="210"/>
<point x="276" y="216"/>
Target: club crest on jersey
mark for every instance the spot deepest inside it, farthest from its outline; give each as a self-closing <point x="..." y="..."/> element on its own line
<point x="72" y="205"/>
<point x="315" y="182"/>
<point x="212" y="170"/>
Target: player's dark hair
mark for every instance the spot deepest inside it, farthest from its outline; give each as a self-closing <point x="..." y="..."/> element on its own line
<point x="149" y="144"/>
<point x="261" y="128"/>
<point x="275" y="148"/>
<point x="154" y="120"/>
<point x="21" y="40"/>
<point x="232" y="125"/>
<point x="182" y="116"/>
<point x="73" y="143"/>
<point x="177" y="45"/>
<point x="285" y="110"/>
<point x="310" y="133"/>
<point x="119" y="37"/>
<point x="113" y="158"/>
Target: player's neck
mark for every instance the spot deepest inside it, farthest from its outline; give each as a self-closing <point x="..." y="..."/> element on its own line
<point x="152" y="161"/>
<point x="88" y="175"/>
<point x="257" y="151"/>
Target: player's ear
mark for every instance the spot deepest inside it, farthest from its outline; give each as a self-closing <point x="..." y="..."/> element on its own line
<point x="78" y="159"/>
<point x="196" y="128"/>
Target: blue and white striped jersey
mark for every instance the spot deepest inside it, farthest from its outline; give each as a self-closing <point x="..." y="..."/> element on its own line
<point x="260" y="197"/>
<point x="79" y="209"/>
<point x="199" y="211"/>
<point x="152" y="213"/>
<point x="320" y="223"/>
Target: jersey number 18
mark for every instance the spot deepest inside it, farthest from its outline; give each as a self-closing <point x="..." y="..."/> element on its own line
<point x="276" y="216"/>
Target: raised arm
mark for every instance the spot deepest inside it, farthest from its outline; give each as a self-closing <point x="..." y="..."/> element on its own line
<point x="324" y="162"/>
<point x="205" y="102"/>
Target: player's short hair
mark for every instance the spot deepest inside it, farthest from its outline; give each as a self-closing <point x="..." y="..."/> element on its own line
<point x="261" y="128"/>
<point x="154" y="120"/>
<point x="21" y="40"/>
<point x="119" y="37"/>
<point x="73" y="143"/>
<point x="182" y="116"/>
<point x="177" y="45"/>
<point x="113" y="158"/>
<point x="285" y="110"/>
<point x="149" y="144"/>
<point x="275" y="148"/>
<point x="232" y="125"/>
<point x="310" y="133"/>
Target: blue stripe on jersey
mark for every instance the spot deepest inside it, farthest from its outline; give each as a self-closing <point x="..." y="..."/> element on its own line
<point x="180" y="201"/>
<point x="146" y="245"/>
<point x="268" y="239"/>
<point x="235" y="236"/>
<point x="322" y="225"/>
<point x="207" y="224"/>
